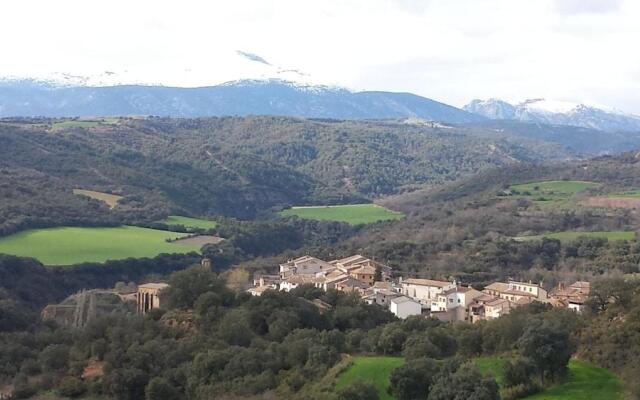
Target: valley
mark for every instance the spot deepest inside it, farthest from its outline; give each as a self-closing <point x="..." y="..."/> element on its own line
<point x="320" y="200"/>
<point x="383" y="201"/>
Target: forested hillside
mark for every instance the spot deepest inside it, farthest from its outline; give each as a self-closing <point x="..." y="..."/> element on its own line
<point x="228" y="166"/>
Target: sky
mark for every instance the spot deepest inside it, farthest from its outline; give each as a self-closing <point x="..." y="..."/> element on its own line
<point x="448" y="50"/>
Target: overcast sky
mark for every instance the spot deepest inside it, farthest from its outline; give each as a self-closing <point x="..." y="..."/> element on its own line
<point x="448" y="50"/>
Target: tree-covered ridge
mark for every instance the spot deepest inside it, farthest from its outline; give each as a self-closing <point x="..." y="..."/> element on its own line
<point x="227" y="166"/>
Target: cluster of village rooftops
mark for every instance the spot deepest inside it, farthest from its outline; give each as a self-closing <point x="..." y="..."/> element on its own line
<point x="447" y="301"/>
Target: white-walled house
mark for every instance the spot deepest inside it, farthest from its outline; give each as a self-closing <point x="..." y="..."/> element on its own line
<point x="404" y="307"/>
<point x="517" y="292"/>
<point x="293" y="282"/>
<point x="452" y="305"/>
<point x="425" y="291"/>
<point x="305" y="265"/>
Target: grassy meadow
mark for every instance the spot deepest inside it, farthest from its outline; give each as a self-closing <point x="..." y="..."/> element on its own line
<point x="573" y="235"/>
<point x="354" y="214"/>
<point x="189" y="222"/>
<point x="585" y="381"/>
<point x="493" y="366"/>
<point x="551" y="190"/>
<point x="374" y="370"/>
<point x="71" y="245"/>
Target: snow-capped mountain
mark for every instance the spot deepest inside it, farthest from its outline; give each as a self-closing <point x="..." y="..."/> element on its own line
<point x="557" y="113"/>
<point x="244" y="97"/>
<point x="492" y="109"/>
<point x="230" y="66"/>
<point x="241" y="83"/>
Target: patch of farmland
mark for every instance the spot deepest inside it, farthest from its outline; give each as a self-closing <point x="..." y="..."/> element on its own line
<point x="353" y="214"/>
<point x="82" y="123"/>
<point x="110" y="199"/>
<point x="550" y="190"/>
<point x="199" y="240"/>
<point x="74" y="245"/>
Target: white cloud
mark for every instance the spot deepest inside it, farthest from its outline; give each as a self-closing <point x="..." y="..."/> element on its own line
<point x="449" y="50"/>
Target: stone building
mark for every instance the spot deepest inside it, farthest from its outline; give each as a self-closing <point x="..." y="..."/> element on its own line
<point x="148" y="296"/>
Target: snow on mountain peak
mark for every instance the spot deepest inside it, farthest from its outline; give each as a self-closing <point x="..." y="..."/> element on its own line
<point x="557" y="112"/>
<point x="232" y="65"/>
<point x="547" y="105"/>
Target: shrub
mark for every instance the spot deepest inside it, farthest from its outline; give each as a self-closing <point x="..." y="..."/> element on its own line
<point x="71" y="386"/>
<point x="519" y="391"/>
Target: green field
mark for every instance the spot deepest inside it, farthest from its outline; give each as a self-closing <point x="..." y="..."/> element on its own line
<point x="70" y="245"/>
<point x="572" y="235"/>
<point x="551" y="190"/>
<point x="353" y="214"/>
<point x="585" y="381"/>
<point x="374" y="370"/>
<point x="188" y="222"/>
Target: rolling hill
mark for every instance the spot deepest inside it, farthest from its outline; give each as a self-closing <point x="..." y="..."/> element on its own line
<point x="229" y="166"/>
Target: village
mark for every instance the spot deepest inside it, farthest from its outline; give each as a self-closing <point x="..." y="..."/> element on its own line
<point x="444" y="300"/>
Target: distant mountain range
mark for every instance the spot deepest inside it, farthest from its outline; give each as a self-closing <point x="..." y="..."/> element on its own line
<point x="240" y="98"/>
<point x="556" y="113"/>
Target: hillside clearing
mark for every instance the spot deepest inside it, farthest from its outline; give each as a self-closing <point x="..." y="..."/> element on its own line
<point x="189" y="222"/>
<point x="374" y="370"/>
<point x="72" y="245"/>
<point x="83" y="123"/>
<point x="572" y="235"/>
<point x="354" y="214"/>
<point x="199" y="240"/>
<point x="110" y="199"/>
<point x="551" y="190"/>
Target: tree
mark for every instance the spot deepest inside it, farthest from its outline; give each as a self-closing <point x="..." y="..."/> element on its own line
<point x="185" y="287"/>
<point x="378" y="275"/>
<point x="160" y="389"/>
<point x="548" y="347"/>
<point x="466" y="383"/>
<point x="127" y="384"/>
<point x="413" y="380"/>
<point x="71" y="386"/>
<point x="518" y="372"/>
<point x="392" y="339"/>
<point x="358" y="390"/>
<point x="419" y="346"/>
